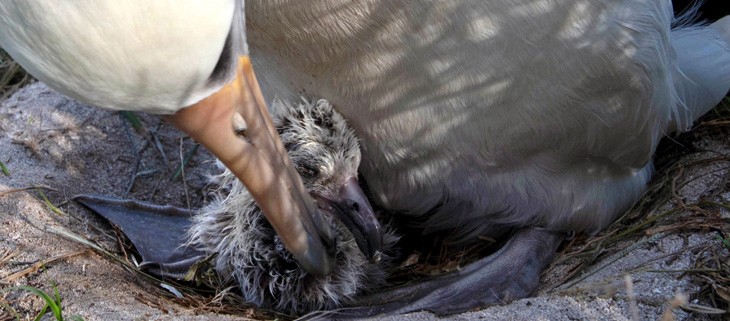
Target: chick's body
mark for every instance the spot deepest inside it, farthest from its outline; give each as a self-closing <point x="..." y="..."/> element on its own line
<point x="248" y="251"/>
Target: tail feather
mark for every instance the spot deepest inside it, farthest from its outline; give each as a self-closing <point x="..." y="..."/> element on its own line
<point x="702" y="73"/>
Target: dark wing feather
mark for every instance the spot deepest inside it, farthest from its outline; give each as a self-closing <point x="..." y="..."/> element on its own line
<point x="157" y="232"/>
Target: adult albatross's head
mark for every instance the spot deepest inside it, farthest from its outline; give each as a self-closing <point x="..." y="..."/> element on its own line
<point x="176" y="59"/>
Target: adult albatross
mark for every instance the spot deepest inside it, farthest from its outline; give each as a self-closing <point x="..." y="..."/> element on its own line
<point x="532" y="118"/>
<point x="482" y="117"/>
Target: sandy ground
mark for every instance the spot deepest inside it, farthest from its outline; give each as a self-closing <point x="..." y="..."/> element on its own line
<point x="66" y="148"/>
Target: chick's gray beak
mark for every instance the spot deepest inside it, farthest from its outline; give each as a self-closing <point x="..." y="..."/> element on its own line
<point x="353" y="209"/>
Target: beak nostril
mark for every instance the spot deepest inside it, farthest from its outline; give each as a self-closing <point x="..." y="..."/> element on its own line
<point x="354" y="206"/>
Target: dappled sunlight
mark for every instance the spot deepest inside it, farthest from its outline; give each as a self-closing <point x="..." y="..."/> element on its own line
<point x="417" y="63"/>
<point x="51" y="138"/>
<point x="577" y="21"/>
<point x="481" y="101"/>
<point x="479" y="116"/>
<point x="534" y="9"/>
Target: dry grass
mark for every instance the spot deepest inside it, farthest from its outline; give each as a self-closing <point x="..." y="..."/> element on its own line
<point x="650" y="218"/>
<point x="645" y="220"/>
<point x="12" y="76"/>
<point x="193" y="295"/>
<point x="158" y="292"/>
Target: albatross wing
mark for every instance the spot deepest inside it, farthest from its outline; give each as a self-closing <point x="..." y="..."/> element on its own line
<point x="157" y="232"/>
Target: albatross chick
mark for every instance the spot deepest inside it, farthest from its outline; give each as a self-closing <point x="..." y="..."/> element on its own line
<point x="247" y="251"/>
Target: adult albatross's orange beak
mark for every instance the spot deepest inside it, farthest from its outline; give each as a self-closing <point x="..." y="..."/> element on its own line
<point x="234" y="124"/>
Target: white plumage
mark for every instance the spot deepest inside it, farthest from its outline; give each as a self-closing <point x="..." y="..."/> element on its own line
<point x="492" y="114"/>
<point x="120" y="54"/>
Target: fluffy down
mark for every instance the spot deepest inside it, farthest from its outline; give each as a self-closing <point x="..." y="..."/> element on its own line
<point x="248" y="251"/>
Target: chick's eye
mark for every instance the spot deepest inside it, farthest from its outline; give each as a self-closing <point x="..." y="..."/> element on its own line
<point x="308" y="170"/>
